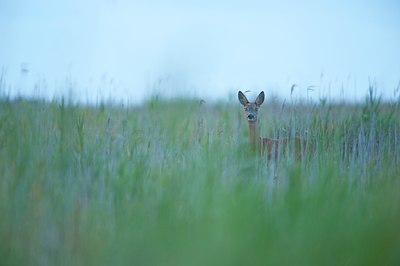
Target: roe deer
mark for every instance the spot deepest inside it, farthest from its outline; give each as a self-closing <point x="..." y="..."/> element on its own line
<point x="270" y="147"/>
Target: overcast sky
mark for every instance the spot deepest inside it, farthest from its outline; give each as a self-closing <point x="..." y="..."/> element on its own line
<point x="127" y="50"/>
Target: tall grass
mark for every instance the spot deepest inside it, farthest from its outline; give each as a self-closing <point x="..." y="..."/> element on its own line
<point x="173" y="183"/>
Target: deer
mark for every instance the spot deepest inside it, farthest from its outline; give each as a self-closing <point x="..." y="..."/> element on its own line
<point x="265" y="145"/>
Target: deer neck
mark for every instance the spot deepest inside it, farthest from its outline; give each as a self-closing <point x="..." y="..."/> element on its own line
<point x="254" y="136"/>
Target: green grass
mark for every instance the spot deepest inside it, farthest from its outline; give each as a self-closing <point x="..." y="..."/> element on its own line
<point x="173" y="183"/>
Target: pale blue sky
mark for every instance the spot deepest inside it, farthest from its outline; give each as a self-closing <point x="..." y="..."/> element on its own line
<point x="122" y="49"/>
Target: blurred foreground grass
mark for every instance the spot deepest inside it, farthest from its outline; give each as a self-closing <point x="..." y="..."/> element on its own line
<point x="172" y="183"/>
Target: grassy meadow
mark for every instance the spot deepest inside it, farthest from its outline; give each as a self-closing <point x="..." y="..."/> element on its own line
<point x="172" y="182"/>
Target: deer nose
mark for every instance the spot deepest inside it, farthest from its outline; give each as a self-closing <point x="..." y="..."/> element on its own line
<point x="250" y="116"/>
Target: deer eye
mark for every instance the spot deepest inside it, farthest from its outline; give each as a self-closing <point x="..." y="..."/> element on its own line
<point x="246" y="109"/>
<point x="256" y="109"/>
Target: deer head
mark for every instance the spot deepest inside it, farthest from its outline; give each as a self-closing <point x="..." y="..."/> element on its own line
<point x="251" y="109"/>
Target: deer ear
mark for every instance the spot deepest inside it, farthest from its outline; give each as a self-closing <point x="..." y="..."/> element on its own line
<point x="260" y="98"/>
<point x="242" y="98"/>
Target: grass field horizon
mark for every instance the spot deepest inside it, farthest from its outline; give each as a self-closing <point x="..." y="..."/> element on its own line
<point x="172" y="182"/>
